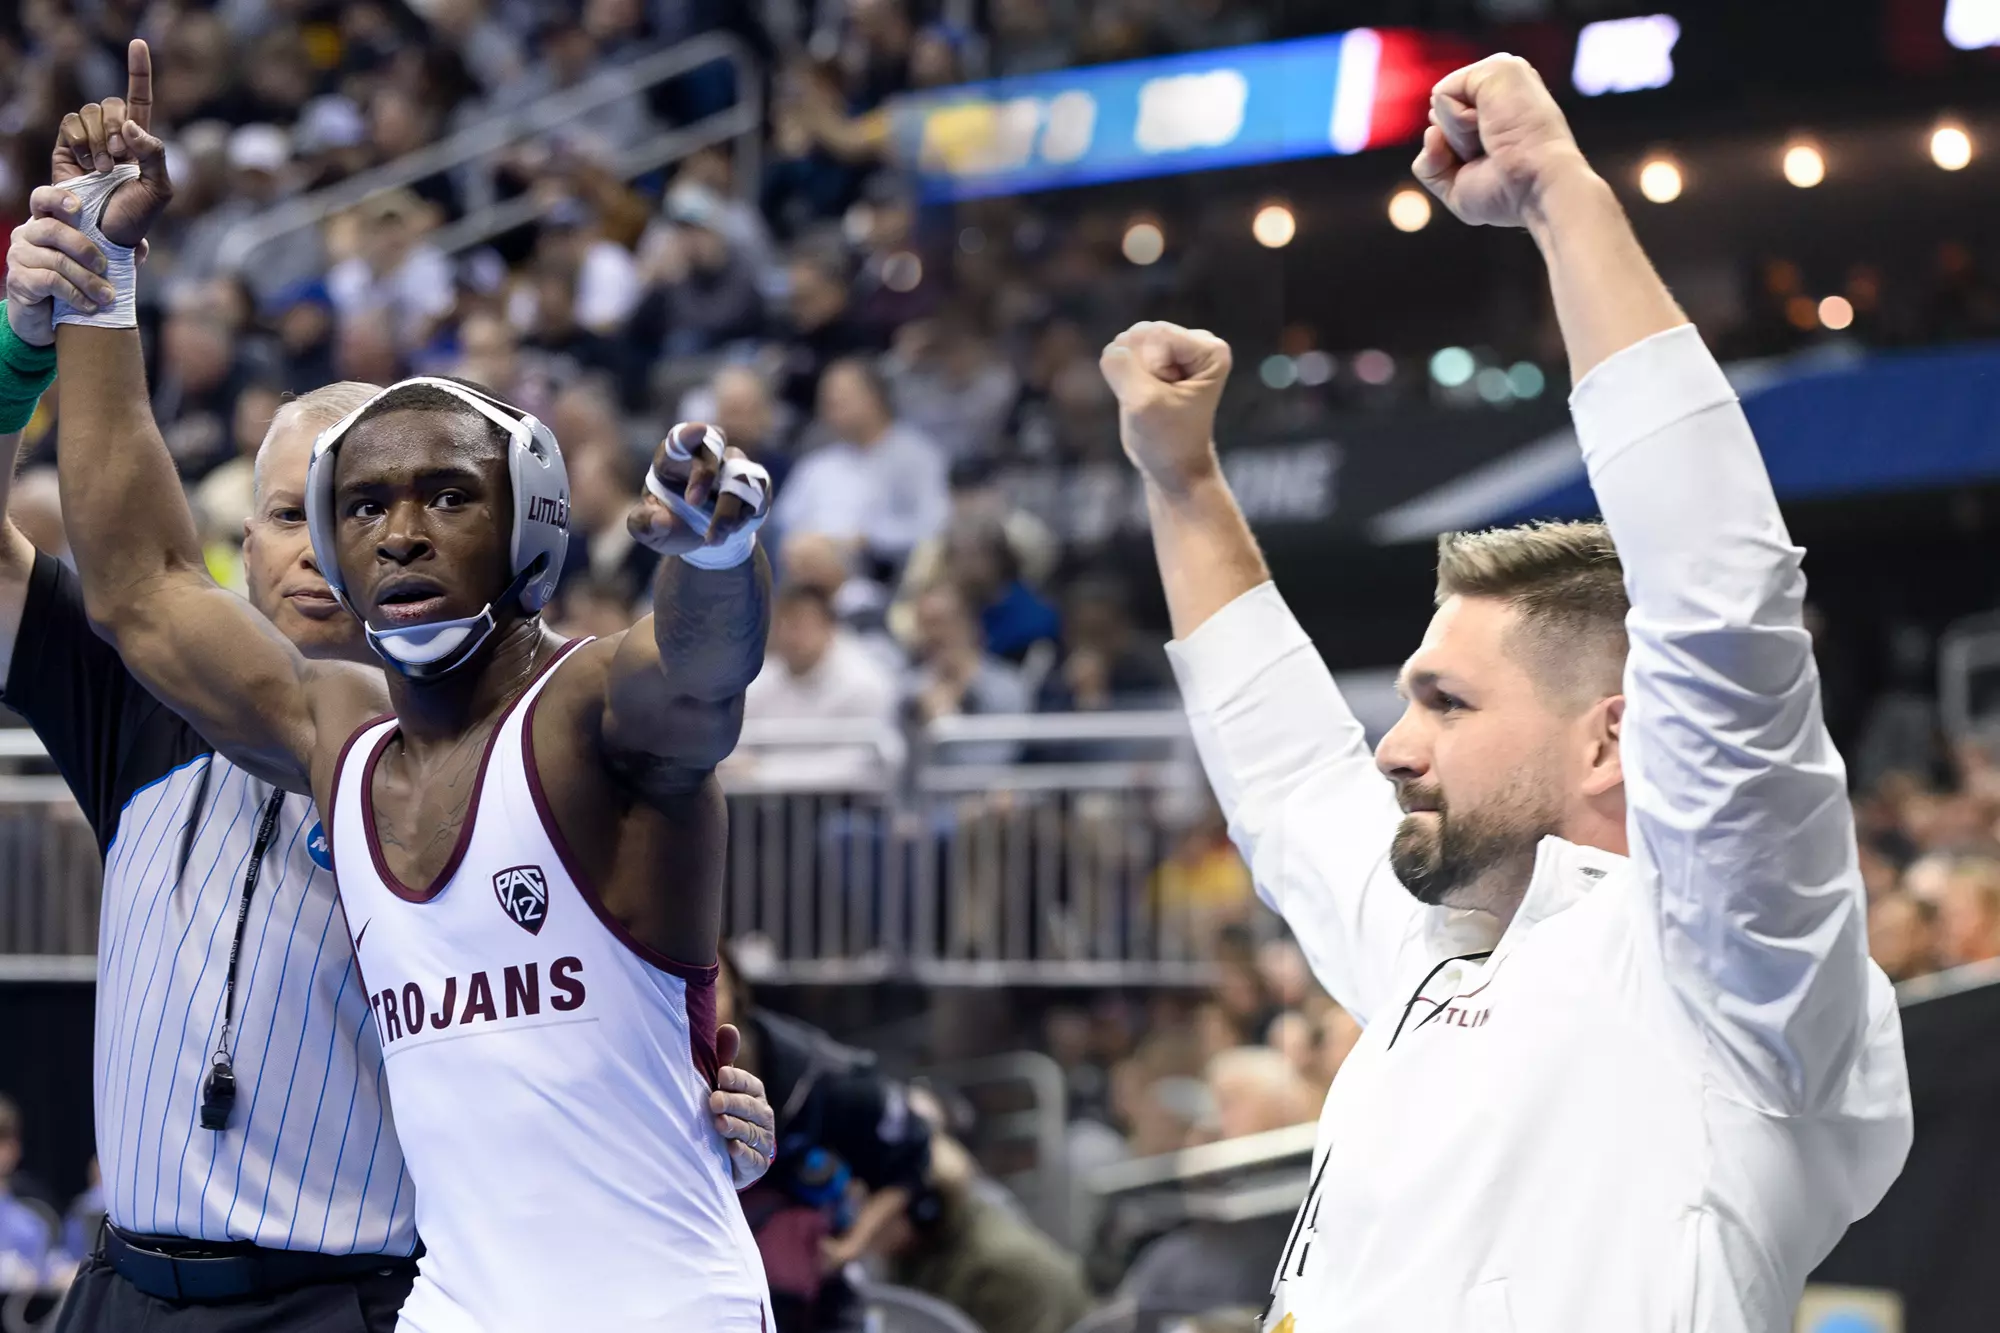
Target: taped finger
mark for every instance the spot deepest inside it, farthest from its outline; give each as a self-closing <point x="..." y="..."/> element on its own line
<point x="747" y="481"/>
<point x="688" y="438"/>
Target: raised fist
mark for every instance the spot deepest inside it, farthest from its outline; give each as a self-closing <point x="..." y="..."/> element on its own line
<point x="1168" y="381"/>
<point x="1496" y="139"/>
<point x="717" y="493"/>
<point x="113" y="132"/>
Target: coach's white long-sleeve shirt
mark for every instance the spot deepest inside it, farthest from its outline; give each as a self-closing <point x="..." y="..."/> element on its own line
<point x="1655" y="1101"/>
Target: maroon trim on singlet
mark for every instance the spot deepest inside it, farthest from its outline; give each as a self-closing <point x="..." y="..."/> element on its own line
<point x="701" y="1028"/>
<point x="694" y="975"/>
<point x="339" y="765"/>
<point x="450" y="867"/>
<point x="333" y="806"/>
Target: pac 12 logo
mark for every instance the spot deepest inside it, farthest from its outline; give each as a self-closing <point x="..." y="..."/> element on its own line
<point x="318" y="848"/>
<point x="524" y="895"/>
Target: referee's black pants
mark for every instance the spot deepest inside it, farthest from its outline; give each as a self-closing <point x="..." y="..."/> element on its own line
<point x="100" y="1301"/>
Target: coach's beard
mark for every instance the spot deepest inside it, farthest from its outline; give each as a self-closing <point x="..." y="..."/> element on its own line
<point x="1461" y="860"/>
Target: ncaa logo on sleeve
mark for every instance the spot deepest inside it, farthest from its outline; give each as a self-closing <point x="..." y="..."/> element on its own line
<point x="318" y="848"/>
<point x="524" y="895"/>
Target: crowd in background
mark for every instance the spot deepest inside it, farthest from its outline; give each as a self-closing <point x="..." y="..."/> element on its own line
<point x="883" y="361"/>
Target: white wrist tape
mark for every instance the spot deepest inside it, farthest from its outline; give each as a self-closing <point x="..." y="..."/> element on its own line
<point x="121" y="268"/>
<point x="740" y="477"/>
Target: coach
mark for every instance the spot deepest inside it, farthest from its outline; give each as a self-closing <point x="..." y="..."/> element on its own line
<point x="252" y="1177"/>
<point x="1627" y="1065"/>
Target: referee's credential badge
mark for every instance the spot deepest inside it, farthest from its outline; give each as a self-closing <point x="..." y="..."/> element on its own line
<point x="318" y="848"/>
<point x="524" y="893"/>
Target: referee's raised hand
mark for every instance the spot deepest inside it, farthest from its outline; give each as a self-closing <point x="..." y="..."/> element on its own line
<point x="118" y="130"/>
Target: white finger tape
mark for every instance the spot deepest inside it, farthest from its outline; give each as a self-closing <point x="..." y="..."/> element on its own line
<point x="121" y="266"/>
<point x="712" y="443"/>
<point x="748" y="482"/>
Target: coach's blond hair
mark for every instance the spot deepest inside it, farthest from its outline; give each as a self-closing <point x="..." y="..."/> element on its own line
<point x="1565" y="581"/>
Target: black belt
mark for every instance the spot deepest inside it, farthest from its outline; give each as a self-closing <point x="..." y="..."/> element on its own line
<point x="173" y="1268"/>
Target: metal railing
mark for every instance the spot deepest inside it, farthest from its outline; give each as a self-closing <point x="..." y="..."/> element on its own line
<point x="856" y="853"/>
<point x="741" y="122"/>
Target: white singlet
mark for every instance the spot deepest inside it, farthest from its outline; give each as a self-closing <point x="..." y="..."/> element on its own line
<point x="550" y="1075"/>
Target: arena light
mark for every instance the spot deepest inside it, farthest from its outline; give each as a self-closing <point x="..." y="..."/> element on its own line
<point x="902" y="271"/>
<point x="1409" y="210"/>
<point x="1374" y="366"/>
<point x="972" y="240"/>
<point x="1972" y="24"/>
<point x="1836" y="313"/>
<point x="1274" y="226"/>
<point x="1660" y="180"/>
<point x="1527" y="379"/>
<point x="1279" y="371"/>
<point x="1144" y="243"/>
<point x="1804" y="166"/>
<point x="1451" y="367"/>
<point x="1951" y="147"/>
<point x="1625" y="55"/>
<point x="1493" y="385"/>
<point x="1315" y="368"/>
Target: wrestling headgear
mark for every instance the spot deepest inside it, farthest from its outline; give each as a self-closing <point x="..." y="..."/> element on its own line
<point x="539" y="539"/>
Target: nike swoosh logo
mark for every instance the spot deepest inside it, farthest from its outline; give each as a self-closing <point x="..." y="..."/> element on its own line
<point x="364" y="930"/>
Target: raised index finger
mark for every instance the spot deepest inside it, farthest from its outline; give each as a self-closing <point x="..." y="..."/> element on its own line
<point x="139" y="84"/>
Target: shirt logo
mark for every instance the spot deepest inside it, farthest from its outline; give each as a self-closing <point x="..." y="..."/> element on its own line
<point x="318" y="848"/>
<point x="524" y="895"/>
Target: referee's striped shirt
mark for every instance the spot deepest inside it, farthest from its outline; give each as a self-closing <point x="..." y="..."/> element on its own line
<point x="310" y="1159"/>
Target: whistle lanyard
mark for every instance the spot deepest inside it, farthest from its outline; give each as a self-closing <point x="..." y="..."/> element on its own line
<point x="220" y="1092"/>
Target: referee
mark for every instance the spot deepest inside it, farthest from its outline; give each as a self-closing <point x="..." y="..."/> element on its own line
<point x="252" y="1178"/>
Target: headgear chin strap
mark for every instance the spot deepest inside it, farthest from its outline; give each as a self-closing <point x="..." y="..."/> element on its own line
<point x="539" y="540"/>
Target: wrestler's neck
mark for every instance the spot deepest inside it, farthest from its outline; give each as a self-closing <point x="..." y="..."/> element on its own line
<point x="441" y="712"/>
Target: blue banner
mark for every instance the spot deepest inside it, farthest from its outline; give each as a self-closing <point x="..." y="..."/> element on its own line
<point x="1196" y="112"/>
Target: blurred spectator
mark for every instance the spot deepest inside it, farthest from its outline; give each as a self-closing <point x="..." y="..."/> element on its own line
<point x="1203" y="881"/>
<point x="489" y="353"/>
<point x="1968" y="913"/>
<point x="395" y="276"/>
<point x="877" y="485"/>
<point x="303" y="318"/>
<point x="545" y="307"/>
<point x="952" y="385"/>
<point x="85" y="1216"/>
<point x="200" y="376"/>
<point x="604" y="273"/>
<point x="817" y="669"/>
<point x="840" y="1122"/>
<point x="1013" y="617"/>
<point x="26" y="1221"/>
<point x="711" y="174"/>
<point x="603" y="481"/>
<point x="821" y="329"/>
<point x="593" y="608"/>
<point x="257" y="158"/>
<point x="224" y="498"/>
<point x="570" y="54"/>
<point x="748" y="415"/>
<point x="398" y="125"/>
<point x="1106" y="665"/>
<point x="491" y="50"/>
<point x="955" y="676"/>
<point x="956" y="1243"/>
<point x="705" y="291"/>
<point x="1256" y="1089"/>
<point x="365" y="350"/>
<point x="1901" y="935"/>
